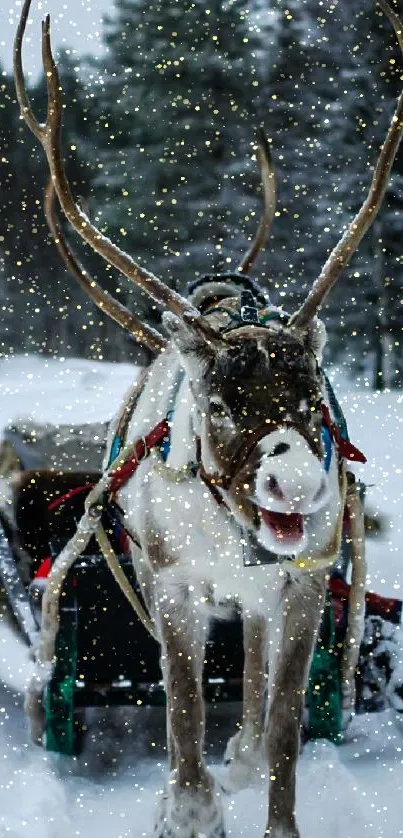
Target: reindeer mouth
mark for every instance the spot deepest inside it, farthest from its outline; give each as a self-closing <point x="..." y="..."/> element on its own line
<point x="285" y="527"/>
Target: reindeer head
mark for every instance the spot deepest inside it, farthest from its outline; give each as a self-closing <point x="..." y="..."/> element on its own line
<point x="258" y="394"/>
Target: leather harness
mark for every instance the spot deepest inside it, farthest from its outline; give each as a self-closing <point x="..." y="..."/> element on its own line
<point x="160" y="434"/>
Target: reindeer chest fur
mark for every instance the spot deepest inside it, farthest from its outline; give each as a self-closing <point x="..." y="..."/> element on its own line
<point x="202" y="555"/>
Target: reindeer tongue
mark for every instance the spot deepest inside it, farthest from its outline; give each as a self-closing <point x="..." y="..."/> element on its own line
<point x="285" y="527"/>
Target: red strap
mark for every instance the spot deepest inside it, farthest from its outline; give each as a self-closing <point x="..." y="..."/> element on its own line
<point x="121" y="475"/>
<point x="345" y="447"/>
<point x="379" y="605"/>
<point x="70" y="494"/>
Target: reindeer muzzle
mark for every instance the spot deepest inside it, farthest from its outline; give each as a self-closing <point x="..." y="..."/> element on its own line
<point x="246" y="448"/>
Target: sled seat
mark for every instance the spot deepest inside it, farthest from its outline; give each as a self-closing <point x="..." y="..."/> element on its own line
<point x="39" y="523"/>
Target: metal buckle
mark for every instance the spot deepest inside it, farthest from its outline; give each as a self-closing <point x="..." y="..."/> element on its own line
<point x="146" y="450"/>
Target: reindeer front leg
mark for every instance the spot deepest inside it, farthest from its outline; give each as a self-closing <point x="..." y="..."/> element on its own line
<point x="245" y="753"/>
<point x="301" y="608"/>
<point x="191" y="805"/>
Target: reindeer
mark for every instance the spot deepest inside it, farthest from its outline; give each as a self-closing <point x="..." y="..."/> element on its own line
<point x="245" y="508"/>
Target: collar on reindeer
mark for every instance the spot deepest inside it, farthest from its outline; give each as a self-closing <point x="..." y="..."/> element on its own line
<point x="142" y="449"/>
<point x="210" y="289"/>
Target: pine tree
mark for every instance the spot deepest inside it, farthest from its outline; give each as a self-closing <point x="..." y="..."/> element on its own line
<point x="21" y="227"/>
<point x="43" y="310"/>
<point x="306" y="107"/>
<point x="373" y="313"/>
<point x="331" y="99"/>
<point x="9" y="329"/>
<point x="175" y="114"/>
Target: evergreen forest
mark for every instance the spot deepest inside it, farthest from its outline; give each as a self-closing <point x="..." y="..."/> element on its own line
<point x="159" y="139"/>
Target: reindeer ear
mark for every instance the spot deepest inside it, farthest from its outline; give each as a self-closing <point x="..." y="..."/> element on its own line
<point x="316" y="337"/>
<point x="192" y="335"/>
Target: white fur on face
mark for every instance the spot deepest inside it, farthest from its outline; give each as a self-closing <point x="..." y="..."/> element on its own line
<point x="292" y="480"/>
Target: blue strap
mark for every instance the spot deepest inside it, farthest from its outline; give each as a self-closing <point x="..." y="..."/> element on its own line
<point x="328" y="446"/>
<point x="280" y="316"/>
<point x="337" y="411"/>
<point x="165" y="446"/>
<point x="115" y="449"/>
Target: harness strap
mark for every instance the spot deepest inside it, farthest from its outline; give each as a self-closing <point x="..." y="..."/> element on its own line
<point x="122" y="580"/>
<point x="356" y="600"/>
<point x="212" y="486"/>
<point x="246" y="447"/>
<point x="125" y="416"/>
<point x="141" y="448"/>
<point x="345" y="447"/>
<point x="54" y="504"/>
<point x="123" y="466"/>
<point x="337" y="411"/>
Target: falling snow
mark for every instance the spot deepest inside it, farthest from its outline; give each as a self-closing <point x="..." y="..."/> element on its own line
<point x="348" y="791"/>
<point x="162" y="102"/>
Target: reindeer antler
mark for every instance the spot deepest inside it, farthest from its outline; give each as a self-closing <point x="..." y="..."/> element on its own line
<point x="342" y="253"/>
<point x="269" y="195"/>
<point x="49" y="135"/>
<point x="142" y="333"/>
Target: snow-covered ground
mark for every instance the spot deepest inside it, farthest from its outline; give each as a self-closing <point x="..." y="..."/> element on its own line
<point x="110" y="791"/>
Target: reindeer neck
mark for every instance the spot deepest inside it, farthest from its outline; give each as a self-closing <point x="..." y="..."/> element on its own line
<point x="182" y="439"/>
<point x="157" y="396"/>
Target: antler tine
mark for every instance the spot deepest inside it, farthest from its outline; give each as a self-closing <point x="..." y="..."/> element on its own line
<point x="22" y="95"/>
<point x="342" y="253"/>
<point x="142" y="333"/>
<point x="268" y="175"/>
<point x="49" y="136"/>
<point x="394" y="19"/>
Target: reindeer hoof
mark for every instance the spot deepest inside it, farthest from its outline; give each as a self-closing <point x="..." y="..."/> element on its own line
<point x="188" y="814"/>
<point x="245" y="761"/>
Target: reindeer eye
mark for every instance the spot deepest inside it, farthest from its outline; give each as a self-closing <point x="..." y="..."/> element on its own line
<point x="218" y="410"/>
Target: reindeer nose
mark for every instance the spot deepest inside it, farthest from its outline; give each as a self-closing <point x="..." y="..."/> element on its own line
<point x="280" y="448"/>
<point x="290" y="477"/>
<point x="273" y="487"/>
